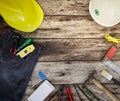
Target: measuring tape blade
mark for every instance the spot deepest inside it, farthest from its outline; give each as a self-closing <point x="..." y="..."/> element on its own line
<point x="112" y="65"/>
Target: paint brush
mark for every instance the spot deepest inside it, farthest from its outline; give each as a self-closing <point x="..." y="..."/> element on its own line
<point x="108" y="76"/>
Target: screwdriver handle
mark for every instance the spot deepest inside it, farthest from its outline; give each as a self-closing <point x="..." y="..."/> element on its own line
<point x="25" y="43"/>
<point x="69" y="93"/>
<point x="107" y="92"/>
<point x="89" y="92"/>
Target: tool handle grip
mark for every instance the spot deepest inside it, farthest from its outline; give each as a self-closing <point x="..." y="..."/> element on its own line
<point x="100" y="86"/>
<point x="69" y="93"/>
<point x="26" y="42"/>
<point x="88" y="91"/>
<point x="116" y="81"/>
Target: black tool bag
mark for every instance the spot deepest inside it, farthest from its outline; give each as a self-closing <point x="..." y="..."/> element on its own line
<point x="15" y="72"/>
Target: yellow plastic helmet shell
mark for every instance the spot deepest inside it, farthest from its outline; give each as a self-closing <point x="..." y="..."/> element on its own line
<point x="23" y="15"/>
<point x="105" y="12"/>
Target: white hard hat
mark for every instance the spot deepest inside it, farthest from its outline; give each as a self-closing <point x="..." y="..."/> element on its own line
<point x="105" y="12"/>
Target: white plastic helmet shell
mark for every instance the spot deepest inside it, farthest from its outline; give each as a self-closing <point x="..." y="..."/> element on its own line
<point x="105" y="12"/>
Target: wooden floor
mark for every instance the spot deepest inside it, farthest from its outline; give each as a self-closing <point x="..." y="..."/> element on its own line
<point x="73" y="45"/>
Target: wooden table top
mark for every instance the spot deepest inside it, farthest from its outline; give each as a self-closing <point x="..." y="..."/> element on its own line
<point x="73" y="45"/>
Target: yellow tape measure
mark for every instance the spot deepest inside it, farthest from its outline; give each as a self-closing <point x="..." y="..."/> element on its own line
<point x="27" y="50"/>
<point x="112" y="39"/>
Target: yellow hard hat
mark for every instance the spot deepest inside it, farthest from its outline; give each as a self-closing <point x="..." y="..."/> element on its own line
<point x="105" y="12"/>
<point x="23" y="15"/>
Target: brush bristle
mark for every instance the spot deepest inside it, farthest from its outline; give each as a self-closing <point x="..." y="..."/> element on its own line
<point x="106" y="75"/>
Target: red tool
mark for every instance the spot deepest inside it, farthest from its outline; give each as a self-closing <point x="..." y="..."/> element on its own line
<point x="14" y="42"/>
<point x="69" y="93"/>
<point x="13" y="51"/>
<point x="111" y="52"/>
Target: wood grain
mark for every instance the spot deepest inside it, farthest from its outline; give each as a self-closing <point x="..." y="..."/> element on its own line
<point x="65" y="7"/>
<point x="72" y="27"/>
<point x="74" y="49"/>
<point x="72" y="72"/>
<point x="73" y="45"/>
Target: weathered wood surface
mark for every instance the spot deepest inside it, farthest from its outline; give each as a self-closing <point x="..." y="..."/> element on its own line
<point x="74" y="49"/>
<point x="72" y="72"/>
<point x="65" y="7"/>
<point x="73" y="45"/>
<point x="72" y="27"/>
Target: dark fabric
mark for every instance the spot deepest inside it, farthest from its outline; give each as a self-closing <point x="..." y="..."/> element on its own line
<point x="15" y="72"/>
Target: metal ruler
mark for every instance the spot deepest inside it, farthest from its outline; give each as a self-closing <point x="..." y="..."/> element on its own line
<point x="112" y="65"/>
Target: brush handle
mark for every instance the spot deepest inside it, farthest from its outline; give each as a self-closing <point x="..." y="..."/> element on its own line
<point x="107" y="92"/>
<point x="116" y="81"/>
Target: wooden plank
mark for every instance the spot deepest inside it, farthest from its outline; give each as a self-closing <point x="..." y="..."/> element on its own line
<point x="72" y="72"/>
<point x="74" y="49"/>
<point x="72" y="27"/>
<point x="68" y="27"/>
<point x="65" y="7"/>
<point x="113" y="88"/>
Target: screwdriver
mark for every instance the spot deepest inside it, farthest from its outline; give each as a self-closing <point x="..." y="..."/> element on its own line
<point x="69" y="93"/>
<point x="25" y="43"/>
<point x="78" y="93"/>
<point x="90" y="93"/>
<point x="87" y="91"/>
<point x="84" y="94"/>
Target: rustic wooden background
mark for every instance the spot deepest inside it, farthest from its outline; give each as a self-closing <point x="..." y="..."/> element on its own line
<point x="73" y="45"/>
